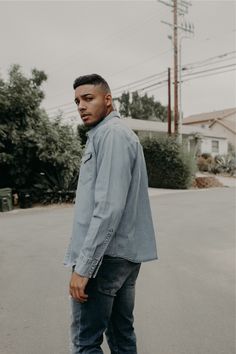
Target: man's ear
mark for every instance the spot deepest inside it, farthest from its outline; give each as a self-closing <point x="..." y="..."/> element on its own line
<point x="108" y="99"/>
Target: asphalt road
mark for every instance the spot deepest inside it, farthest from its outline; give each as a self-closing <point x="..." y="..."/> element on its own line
<point x="185" y="302"/>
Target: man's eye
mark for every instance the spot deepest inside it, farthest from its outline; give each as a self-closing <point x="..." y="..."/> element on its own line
<point x="88" y="98"/>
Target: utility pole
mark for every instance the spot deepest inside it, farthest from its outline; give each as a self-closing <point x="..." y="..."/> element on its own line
<point x="191" y="31"/>
<point x="175" y="36"/>
<point x="179" y="8"/>
<point x="169" y="103"/>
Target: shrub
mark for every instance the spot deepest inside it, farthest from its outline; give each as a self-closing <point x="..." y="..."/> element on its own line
<point x="224" y="164"/>
<point x="58" y="153"/>
<point x="205" y="162"/>
<point x="217" y="164"/>
<point x="82" y="130"/>
<point x="206" y="182"/>
<point x="168" y="164"/>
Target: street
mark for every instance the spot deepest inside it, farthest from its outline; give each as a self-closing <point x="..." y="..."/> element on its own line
<point x="185" y="301"/>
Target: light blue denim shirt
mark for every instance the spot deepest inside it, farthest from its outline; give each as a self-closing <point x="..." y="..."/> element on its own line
<point x="112" y="210"/>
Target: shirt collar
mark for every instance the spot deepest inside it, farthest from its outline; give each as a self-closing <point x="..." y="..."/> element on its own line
<point x="113" y="114"/>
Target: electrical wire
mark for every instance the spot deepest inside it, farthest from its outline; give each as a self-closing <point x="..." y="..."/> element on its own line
<point x="184" y="76"/>
<point x="205" y="62"/>
<point x="163" y="73"/>
<point x="193" y="78"/>
<point x="211" y="58"/>
<point x="140" y="63"/>
<point x="145" y="79"/>
<point x="188" y="67"/>
<point x="217" y="68"/>
<point x="138" y="84"/>
<point x="211" y="74"/>
<point x="162" y="84"/>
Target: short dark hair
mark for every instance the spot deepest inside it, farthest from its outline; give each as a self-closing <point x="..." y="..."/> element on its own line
<point x="92" y="79"/>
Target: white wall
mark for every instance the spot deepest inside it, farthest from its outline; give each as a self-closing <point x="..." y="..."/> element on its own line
<point x="206" y="146"/>
<point x="220" y="130"/>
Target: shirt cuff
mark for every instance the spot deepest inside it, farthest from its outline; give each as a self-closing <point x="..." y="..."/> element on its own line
<point x="88" y="267"/>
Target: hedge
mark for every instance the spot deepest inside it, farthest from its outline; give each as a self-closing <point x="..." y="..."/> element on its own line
<point x="169" y="165"/>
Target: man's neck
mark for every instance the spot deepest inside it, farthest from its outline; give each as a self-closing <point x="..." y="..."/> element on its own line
<point x="107" y="114"/>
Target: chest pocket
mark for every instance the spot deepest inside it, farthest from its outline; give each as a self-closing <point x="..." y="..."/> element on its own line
<point x="86" y="168"/>
<point x="86" y="157"/>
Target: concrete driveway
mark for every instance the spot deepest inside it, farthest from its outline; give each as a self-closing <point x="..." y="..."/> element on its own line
<point x="185" y="302"/>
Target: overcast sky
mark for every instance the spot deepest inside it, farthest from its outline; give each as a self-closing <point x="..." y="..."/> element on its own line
<point x="123" y="41"/>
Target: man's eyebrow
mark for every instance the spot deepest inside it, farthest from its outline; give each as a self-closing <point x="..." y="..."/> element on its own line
<point x="83" y="96"/>
<point x="87" y="94"/>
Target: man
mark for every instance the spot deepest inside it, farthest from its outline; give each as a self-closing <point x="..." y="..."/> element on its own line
<point x="112" y="230"/>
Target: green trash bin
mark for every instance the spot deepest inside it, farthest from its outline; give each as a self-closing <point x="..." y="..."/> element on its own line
<point x="5" y="199"/>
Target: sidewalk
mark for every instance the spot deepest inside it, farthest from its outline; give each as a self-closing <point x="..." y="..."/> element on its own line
<point x="226" y="181"/>
<point x="153" y="192"/>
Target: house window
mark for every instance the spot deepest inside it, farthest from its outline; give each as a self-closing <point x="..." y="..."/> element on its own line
<point x="215" y="146"/>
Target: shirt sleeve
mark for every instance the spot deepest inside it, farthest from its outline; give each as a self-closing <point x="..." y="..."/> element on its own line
<point x="115" y="158"/>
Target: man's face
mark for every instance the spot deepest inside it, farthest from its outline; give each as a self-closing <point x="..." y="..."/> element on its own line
<point x="93" y="103"/>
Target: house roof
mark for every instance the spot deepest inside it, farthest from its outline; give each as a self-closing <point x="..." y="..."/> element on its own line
<point x="162" y="127"/>
<point x="230" y="125"/>
<point x="145" y="125"/>
<point x="209" y="116"/>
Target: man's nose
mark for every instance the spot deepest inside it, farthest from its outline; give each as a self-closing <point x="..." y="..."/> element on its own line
<point x="81" y="107"/>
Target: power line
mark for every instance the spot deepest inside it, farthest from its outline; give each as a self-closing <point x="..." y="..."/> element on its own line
<point x="154" y="84"/>
<point x="207" y="64"/>
<point x="211" y="74"/>
<point x="162" y="84"/>
<point x="186" y="76"/>
<point x="203" y="71"/>
<point x="115" y="74"/>
<point x="138" y="84"/>
<point x="142" y="62"/>
<point x="212" y="58"/>
<point x="154" y="76"/>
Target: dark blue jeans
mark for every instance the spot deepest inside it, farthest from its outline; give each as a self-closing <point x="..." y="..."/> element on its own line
<point x="109" y="309"/>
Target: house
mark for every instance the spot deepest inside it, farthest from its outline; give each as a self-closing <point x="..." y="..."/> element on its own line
<point x="220" y="123"/>
<point x="197" y="139"/>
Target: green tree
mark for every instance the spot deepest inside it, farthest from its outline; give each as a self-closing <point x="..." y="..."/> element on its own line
<point x="142" y="107"/>
<point x="161" y="111"/>
<point x="136" y="107"/>
<point x="20" y="99"/>
<point x="33" y="150"/>
<point x="124" y="101"/>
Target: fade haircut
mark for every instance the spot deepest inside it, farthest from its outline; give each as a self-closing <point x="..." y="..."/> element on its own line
<point x="93" y="79"/>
